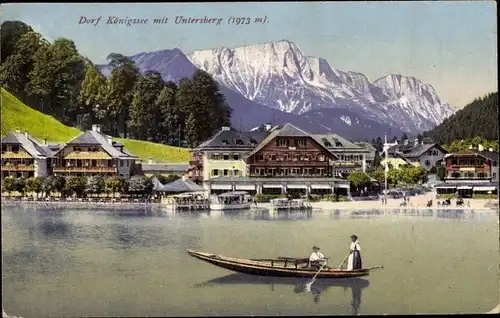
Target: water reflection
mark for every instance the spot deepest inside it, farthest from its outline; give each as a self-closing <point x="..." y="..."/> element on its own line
<point x="300" y="285"/>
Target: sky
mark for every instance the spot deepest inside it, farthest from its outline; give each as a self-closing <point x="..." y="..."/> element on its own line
<point x="450" y="45"/>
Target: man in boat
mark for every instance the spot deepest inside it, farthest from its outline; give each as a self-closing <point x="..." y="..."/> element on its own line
<point x="354" y="260"/>
<point x="316" y="260"/>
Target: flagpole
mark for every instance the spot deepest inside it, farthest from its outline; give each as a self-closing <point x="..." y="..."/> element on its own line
<point x="386" y="169"/>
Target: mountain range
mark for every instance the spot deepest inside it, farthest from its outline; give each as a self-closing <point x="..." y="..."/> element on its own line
<point x="275" y="82"/>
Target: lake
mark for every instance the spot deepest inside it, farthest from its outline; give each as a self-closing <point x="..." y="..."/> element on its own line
<point x="78" y="262"/>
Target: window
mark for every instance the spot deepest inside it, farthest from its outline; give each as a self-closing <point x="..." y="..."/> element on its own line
<point x="77" y="149"/>
<point x="215" y="172"/>
<point x="225" y="156"/>
<point x="321" y="157"/>
<point x="285" y="157"/>
<point x="236" y="172"/>
<point x="326" y="142"/>
<point x="215" y="156"/>
<point x="94" y="163"/>
<point x="225" y="142"/>
<point x="239" y="142"/>
<point x="273" y="157"/>
<point x="260" y="157"/>
<point x="253" y="141"/>
<point x="128" y="163"/>
<point x="121" y="163"/>
<point x="295" y="157"/>
<point x="15" y="148"/>
<point x="236" y="156"/>
<point x="225" y="172"/>
<point x="494" y="164"/>
<point x="282" y="142"/>
<point x="300" y="142"/>
<point x="494" y="175"/>
<point x="427" y="163"/>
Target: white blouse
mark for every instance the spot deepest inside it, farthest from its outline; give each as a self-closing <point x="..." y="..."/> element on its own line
<point x="355" y="245"/>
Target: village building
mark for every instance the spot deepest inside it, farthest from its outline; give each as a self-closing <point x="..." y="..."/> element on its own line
<point x="93" y="153"/>
<point x="425" y="154"/>
<point x="370" y="155"/>
<point x="273" y="160"/>
<point x="24" y="156"/>
<point x="469" y="172"/>
<point x="223" y="155"/>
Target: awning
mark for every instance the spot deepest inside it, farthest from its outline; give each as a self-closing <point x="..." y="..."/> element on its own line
<point x="245" y="187"/>
<point x="485" y="188"/>
<point x="321" y="186"/>
<point x="342" y="186"/>
<point x="273" y="186"/>
<point x="464" y="187"/>
<point x="296" y="186"/>
<point x="445" y="187"/>
<point x="222" y="187"/>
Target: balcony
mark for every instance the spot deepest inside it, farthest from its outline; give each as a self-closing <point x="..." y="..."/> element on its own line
<point x="85" y="169"/>
<point x="18" y="168"/>
<point x="291" y="176"/>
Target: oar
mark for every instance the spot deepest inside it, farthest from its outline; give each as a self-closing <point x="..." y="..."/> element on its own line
<point x="343" y="261"/>
<point x="308" y="285"/>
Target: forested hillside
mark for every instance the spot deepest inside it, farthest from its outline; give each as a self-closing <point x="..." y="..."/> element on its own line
<point x="477" y="119"/>
<point x="56" y="80"/>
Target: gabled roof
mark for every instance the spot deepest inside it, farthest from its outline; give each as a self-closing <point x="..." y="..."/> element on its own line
<point x="369" y="147"/>
<point x="336" y="142"/>
<point x="86" y="138"/>
<point x="180" y="185"/>
<point x="233" y="139"/>
<point x="420" y="149"/>
<point x="288" y="130"/>
<point x="91" y="137"/>
<point x="474" y="152"/>
<point x="32" y="145"/>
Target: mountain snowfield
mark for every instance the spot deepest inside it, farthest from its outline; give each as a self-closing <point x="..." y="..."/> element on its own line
<point x="276" y="83"/>
<point x="280" y="76"/>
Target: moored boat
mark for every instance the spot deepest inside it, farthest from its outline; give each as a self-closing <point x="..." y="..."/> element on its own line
<point x="284" y="204"/>
<point x="279" y="267"/>
<point x="237" y="200"/>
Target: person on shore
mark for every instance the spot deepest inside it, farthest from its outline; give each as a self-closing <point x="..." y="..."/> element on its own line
<point x="354" y="260"/>
<point x="316" y="260"/>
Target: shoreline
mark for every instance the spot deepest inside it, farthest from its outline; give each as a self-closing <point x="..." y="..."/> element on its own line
<point x="392" y="204"/>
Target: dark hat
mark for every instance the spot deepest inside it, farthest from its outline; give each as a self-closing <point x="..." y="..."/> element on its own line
<point x="315" y="247"/>
<point x="354" y="237"/>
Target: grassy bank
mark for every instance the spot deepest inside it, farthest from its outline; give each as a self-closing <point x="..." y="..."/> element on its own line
<point x="17" y="115"/>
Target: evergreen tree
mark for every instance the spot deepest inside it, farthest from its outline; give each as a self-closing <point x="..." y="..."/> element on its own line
<point x="144" y="120"/>
<point x="92" y="97"/>
<point x="166" y="105"/>
<point x="120" y="92"/>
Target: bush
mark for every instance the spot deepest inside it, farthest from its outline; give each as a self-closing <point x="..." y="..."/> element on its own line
<point x="484" y="196"/>
<point x="313" y="197"/>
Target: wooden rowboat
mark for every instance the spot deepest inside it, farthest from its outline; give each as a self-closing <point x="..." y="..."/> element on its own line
<point x="280" y="267"/>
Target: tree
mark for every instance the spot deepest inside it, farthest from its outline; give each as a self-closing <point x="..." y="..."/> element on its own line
<point x="403" y="138"/>
<point x="114" y="184"/>
<point x="358" y="179"/>
<point x="19" y="184"/>
<point x="95" y="184"/>
<point x="92" y="96"/>
<point x="142" y="185"/>
<point x="53" y="184"/>
<point x="440" y="172"/>
<point x="377" y="159"/>
<point x="191" y="131"/>
<point x="170" y="114"/>
<point x="34" y="184"/>
<point x="120" y="91"/>
<point x="76" y="185"/>
<point x="8" y="184"/>
<point x="144" y="119"/>
<point x="16" y="68"/>
<point x="10" y="33"/>
<point x="379" y="175"/>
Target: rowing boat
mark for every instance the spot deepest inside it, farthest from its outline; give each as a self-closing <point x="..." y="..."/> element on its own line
<point x="280" y="267"/>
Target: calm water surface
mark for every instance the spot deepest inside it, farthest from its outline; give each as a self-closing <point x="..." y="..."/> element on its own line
<point x="70" y="262"/>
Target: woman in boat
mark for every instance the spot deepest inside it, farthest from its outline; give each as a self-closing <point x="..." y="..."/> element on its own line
<point x="354" y="260"/>
<point x="316" y="260"/>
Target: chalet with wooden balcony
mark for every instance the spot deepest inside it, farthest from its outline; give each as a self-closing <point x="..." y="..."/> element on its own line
<point x="470" y="171"/>
<point x="281" y="160"/>
<point x="24" y="156"/>
<point x="93" y="153"/>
